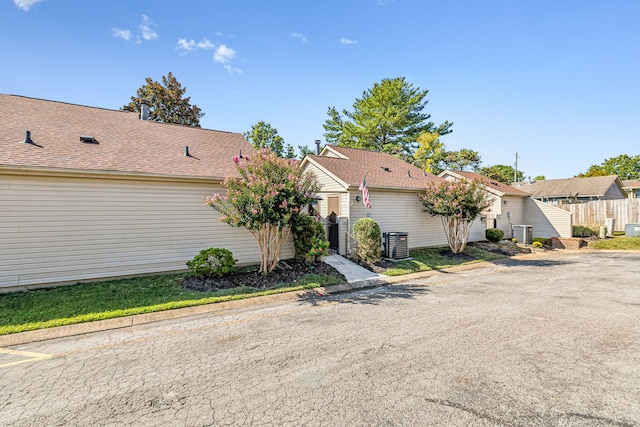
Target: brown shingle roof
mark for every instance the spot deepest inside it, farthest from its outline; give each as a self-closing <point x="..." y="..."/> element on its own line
<point x="124" y="142"/>
<point x="357" y="163"/>
<point x="595" y="186"/>
<point x="496" y="185"/>
<point x="631" y="183"/>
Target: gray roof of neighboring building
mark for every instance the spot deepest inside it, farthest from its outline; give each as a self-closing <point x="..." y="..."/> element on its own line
<point x="595" y="186"/>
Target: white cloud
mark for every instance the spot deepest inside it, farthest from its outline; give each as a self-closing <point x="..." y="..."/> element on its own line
<point x="186" y="45"/>
<point x="299" y="36"/>
<point x="224" y="54"/>
<point x="146" y="31"/>
<point x="205" y="45"/>
<point x="348" y="41"/>
<point x="147" y="28"/>
<point x="121" y="34"/>
<point x="232" y="70"/>
<point x="25" y="4"/>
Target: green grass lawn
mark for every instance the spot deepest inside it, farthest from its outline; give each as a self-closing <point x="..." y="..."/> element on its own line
<point x="66" y="305"/>
<point x="433" y="259"/>
<point x="617" y="242"/>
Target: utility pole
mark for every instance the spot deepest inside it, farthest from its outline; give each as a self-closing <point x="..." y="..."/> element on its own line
<point x="515" y="171"/>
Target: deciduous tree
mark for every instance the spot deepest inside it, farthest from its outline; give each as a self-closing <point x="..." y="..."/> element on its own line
<point x="263" y="135"/>
<point x="434" y="158"/>
<point x="625" y="166"/>
<point x="166" y="102"/>
<point x="430" y="153"/>
<point x="501" y="173"/>
<point x="457" y="203"/>
<point x="270" y="192"/>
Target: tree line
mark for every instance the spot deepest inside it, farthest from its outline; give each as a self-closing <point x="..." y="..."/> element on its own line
<point x="389" y="117"/>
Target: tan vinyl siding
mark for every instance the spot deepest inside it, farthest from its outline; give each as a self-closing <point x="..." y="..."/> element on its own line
<point x="401" y="211"/>
<point x="496" y="207"/>
<point x="547" y="220"/>
<point x="477" y="231"/>
<point x="61" y="229"/>
<point x="398" y="212"/>
<point x="512" y="213"/>
<point x="326" y="181"/>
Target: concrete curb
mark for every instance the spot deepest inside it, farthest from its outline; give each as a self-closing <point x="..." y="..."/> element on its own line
<point x="141" y="319"/>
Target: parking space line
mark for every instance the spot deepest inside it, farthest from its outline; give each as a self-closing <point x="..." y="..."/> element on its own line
<point x="30" y="357"/>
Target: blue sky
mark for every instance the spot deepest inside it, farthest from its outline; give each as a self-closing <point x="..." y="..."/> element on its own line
<point x="556" y="81"/>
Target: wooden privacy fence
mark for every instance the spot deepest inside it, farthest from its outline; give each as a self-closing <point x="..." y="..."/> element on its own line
<point x="625" y="211"/>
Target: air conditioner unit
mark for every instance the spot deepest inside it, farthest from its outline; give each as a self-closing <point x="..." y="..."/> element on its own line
<point x="396" y="245"/>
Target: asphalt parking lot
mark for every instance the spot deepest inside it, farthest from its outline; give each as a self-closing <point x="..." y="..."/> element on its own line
<point x="543" y="341"/>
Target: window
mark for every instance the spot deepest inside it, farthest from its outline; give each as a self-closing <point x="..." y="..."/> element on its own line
<point x="333" y="205"/>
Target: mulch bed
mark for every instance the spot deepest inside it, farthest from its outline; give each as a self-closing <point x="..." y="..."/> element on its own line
<point x="292" y="271"/>
<point x="507" y="248"/>
<point x="379" y="266"/>
<point x="503" y="247"/>
<point x="285" y="272"/>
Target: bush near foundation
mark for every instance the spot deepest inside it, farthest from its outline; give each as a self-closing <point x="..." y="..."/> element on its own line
<point x="212" y="261"/>
<point x="586" y="230"/>
<point x="367" y="233"/>
<point x="494" y="234"/>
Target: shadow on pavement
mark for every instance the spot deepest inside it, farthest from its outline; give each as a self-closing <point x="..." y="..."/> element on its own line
<point x="511" y="262"/>
<point x="367" y="296"/>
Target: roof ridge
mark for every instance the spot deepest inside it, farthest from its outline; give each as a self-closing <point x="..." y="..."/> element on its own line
<point x="114" y="111"/>
<point x="65" y="103"/>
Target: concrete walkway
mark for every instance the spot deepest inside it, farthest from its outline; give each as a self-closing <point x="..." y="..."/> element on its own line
<point x="351" y="271"/>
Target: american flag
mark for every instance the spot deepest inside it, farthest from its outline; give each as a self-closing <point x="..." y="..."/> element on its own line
<point x="365" y="193"/>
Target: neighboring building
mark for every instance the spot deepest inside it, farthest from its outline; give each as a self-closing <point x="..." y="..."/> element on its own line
<point x="393" y="187"/>
<point x="95" y="193"/>
<point x="632" y="187"/>
<point x="512" y="206"/>
<point x="576" y="190"/>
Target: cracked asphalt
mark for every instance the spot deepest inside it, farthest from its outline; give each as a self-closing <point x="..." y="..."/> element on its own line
<point x="547" y="341"/>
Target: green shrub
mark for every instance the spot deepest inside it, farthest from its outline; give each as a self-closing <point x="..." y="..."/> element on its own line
<point x="494" y="234"/>
<point x="543" y="241"/>
<point x="586" y="230"/>
<point x="367" y="233"/>
<point x="537" y="244"/>
<point x="306" y="231"/>
<point x="212" y="261"/>
<point x="319" y="247"/>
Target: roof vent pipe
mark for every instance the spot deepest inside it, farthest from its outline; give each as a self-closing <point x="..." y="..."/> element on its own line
<point x="144" y="111"/>
<point x="27" y="137"/>
<point x="186" y="151"/>
<point x="317" y="141"/>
